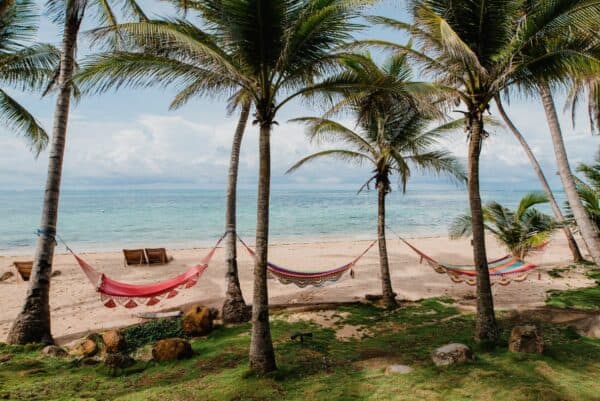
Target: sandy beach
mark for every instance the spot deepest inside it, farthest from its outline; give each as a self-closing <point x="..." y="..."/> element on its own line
<point x="76" y="308"/>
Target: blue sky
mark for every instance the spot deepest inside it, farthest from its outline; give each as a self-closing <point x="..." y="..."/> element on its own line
<point x="129" y="139"/>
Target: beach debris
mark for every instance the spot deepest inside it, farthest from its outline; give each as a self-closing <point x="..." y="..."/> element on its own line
<point x="398" y="369"/>
<point x="114" y="341"/>
<point x="89" y="361"/>
<point x="55" y="351"/>
<point x="589" y="327"/>
<point x="29" y="372"/>
<point x="159" y="315"/>
<point x="526" y="339"/>
<point x="84" y="348"/>
<point x="5" y="357"/>
<point x="171" y="349"/>
<point x="55" y="273"/>
<point x="6" y="275"/>
<point x="451" y="354"/>
<point x="198" y="320"/>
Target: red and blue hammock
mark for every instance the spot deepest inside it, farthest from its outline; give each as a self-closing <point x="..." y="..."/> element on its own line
<point x="502" y="271"/>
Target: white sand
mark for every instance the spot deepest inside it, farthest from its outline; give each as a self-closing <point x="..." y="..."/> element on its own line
<point x="76" y="308"/>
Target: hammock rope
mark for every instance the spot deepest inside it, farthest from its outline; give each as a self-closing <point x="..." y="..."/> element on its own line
<point x="502" y="271"/>
<point x="113" y="292"/>
<point x="304" y="279"/>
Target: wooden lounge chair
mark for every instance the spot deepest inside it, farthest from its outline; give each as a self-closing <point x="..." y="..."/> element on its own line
<point x="24" y="269"/>
<point x="157" y="256"/>
<point x="134" y="257"/>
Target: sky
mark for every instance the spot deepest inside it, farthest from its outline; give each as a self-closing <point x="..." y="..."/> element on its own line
<point x="129" y="139"/>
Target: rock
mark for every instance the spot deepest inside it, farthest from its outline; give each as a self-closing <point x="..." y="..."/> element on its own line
<point x="5" y="358"/>
<point x="398" y="369"/>
<point x="55" y="351"/>
<point x="86" y="347"/>
<point x="198" y="320"/>
<point x="6" y="275"/>
<point x="118" y="360"/>
<point x="171" y="349"/>
<point x="589" y="327"/>
<point x="526" y="339"/>
<point x="451" y="354"/>
<point x="114" y="341"/>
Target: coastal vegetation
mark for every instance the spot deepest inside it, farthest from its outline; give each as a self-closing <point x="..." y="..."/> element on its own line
<point x="260" y="56"/>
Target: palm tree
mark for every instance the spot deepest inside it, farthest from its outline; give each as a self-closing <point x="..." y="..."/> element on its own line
<point x="280" y="47"/>
<point x="33" y="322"/>
<point x="589" y="191"/>
<point x="558" y="215"/>
<point x="394" y="143"/>
<point x="475" y="50"/>
<point x="23" y="66"/>
<point x="392" y="137"/>
<point x="521" y="231"/>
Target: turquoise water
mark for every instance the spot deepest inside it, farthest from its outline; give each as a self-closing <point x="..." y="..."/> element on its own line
<point x="94" y="220"/>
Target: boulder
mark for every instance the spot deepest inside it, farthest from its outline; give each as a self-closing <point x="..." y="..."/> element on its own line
<point x="526" y="339"/>
<point x="451" y="354"/>
<point x="85" y="348"/>
<point x="114" y="341"/>
<point x="398" y="369"/>
<point x="589" y="327"/>
<point x="118" y="360"/>
<point x="54" y="350"/>
<point x="171" y="349"/>
<point x="198" y="320"/>
<point x="6" y="275"/>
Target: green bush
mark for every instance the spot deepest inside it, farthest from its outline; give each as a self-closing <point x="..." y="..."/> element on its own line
<point x="152" y="331"/>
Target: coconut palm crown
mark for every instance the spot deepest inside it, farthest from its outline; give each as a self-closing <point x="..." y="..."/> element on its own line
<point x="24" y="67"/>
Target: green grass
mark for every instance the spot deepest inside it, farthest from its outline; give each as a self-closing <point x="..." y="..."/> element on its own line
<point x="324" y="368"/>
<point x="587" y="298"/>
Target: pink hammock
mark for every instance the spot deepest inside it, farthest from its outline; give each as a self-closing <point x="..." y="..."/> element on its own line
<point x="304" y="279"/>
<point x="114" y="292"/>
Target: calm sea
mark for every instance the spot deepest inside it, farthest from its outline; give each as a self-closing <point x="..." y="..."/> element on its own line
<point x="102" y="220"/>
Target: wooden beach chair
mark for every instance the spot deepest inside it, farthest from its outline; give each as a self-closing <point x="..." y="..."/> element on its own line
<point x="24" y="269"/>
<point x="157" y="256"/>
<point x="134" y="257"/>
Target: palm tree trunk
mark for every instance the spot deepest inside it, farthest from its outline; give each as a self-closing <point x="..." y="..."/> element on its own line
<point x="389" y="299"/>
<point x="486" y="329"/>
<point x="586" y="227"/>
<point x="32" y="325"/>
<point x="577" y="257"/>
<point x="262" y="355"/>
<point x="234" y="308"/>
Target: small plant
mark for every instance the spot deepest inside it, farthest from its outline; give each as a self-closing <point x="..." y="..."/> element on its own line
<point x="146" y="333"/>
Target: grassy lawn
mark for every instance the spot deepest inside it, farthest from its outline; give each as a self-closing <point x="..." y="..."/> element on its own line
<point x="581" y="298"/>
<point x="325" y="368"/>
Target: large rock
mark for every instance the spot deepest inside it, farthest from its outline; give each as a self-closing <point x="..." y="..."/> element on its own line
<point x="171" y="349"/>
<point x="84" y="348"/>
<point x="589" y="327"/>
<point x="451" y="354"/>
<point x="54" y="350"/>
<point x="198" y="320"/>
<point x="113" y="341"/>
<point x="526" y="339"/>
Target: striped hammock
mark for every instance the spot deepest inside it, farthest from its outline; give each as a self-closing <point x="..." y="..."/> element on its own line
<point x="502" y="271"/>
<point x="304" y="279"/>
<point x="113" y="292"/>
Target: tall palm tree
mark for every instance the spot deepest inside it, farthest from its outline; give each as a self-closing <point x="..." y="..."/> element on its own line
<point x="558" y="215"/>
<point x="24" y="66"/>
<point x="392" y="118"/>
<point x="392" y="143"/>
<point x="521" y="231"/>
<point x="33" y="322"/>
<point x="475" y="49"/>
<point x="280" y="47"/>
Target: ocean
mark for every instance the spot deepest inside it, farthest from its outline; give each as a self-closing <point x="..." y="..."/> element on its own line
<point x="109" y="220"/>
